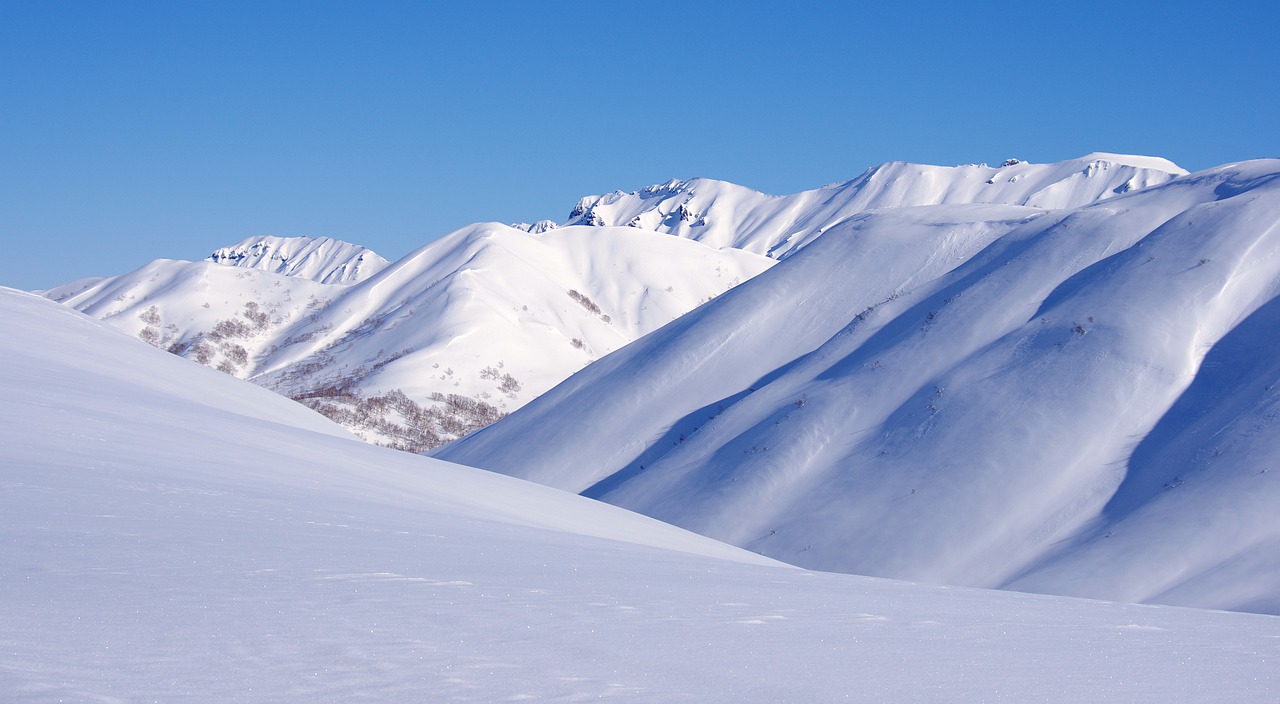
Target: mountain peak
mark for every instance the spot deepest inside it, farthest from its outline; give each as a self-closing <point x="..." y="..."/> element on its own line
<point x="320" y="259"/>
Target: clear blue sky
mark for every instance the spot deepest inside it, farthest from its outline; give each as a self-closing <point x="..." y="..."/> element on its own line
<point x="131" y="131"/>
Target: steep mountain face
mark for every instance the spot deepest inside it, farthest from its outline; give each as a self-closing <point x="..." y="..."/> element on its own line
<point x="321" y="259"/>
<point x="1074" y="401"/>
<point x="444" y="341"/>
<point x="725" y="215"/>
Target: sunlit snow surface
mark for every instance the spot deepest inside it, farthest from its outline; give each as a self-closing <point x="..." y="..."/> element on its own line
<point x="171" y="534"/>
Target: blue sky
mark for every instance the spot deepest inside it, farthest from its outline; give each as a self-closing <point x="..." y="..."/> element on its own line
<point x="131" y="131"/>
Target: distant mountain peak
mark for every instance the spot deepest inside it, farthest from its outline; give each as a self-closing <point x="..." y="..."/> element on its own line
<point x="321" y="259"/>
<point x="723" y="214"/>
<point x="536" y="228"/>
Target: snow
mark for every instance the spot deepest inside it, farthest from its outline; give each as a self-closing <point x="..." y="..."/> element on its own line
<point x="173" y="533"/>
<point x="1075" y="401"/>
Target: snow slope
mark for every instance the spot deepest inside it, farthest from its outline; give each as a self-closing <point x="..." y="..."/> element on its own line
<point x="321" y="259"/>
<point x="1077" y="401"/>
<point x="171" y="533"/>
<point x="722" y="214"/>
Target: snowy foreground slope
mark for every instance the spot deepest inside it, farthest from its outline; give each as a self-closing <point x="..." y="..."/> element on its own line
<point x="171" y="533"/>
<point x="1077" y="401"/>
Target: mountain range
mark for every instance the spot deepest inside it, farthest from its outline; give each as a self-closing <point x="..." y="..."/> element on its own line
<point x="423" y="350"/>
<point x="1045" y="377"/>
<point x="475" y="324"/>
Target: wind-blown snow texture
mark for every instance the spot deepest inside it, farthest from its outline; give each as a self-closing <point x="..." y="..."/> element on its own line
<point x="1077" y="401"/>
<point x="170" y="533"/>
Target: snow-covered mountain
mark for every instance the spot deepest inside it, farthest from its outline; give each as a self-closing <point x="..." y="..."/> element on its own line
<point x="474" y="325"/>
<point x="726" y="215"/>
<point x="321" y="259"/>
<point x="444" y="341"/>
<point x="174" y="534"/>
<point x="1077" y="401"/>
<point x="479" y="322"/>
